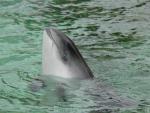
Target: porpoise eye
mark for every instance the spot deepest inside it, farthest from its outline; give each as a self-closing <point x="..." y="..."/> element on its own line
<point x="64" y="57"/>
<point x="66" y="51"/>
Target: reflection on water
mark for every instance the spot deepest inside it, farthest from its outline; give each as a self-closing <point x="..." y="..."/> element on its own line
<point x="112" y="35"/>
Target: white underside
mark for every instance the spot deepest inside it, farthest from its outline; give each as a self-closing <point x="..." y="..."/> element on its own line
<point x="51" y="62"/>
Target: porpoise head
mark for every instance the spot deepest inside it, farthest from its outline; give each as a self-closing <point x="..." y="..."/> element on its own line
<point x="61" y="57"/>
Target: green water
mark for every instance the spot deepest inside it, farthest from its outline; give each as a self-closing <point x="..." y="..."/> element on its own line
<point x="112" y="35"/>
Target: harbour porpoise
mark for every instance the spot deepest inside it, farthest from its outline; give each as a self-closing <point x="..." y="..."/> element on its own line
<point x="64" y="66"/>
<point x="61" y="57"/>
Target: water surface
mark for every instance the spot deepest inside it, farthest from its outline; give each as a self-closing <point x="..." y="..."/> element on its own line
<point x="113" y="37"/>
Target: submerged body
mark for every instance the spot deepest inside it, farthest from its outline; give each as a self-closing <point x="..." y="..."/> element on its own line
<point x="62" y="58"/>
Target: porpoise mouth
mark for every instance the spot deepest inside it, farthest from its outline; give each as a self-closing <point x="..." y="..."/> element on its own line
<point x="49" y="32"/>
<point x="53" y="35"/>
